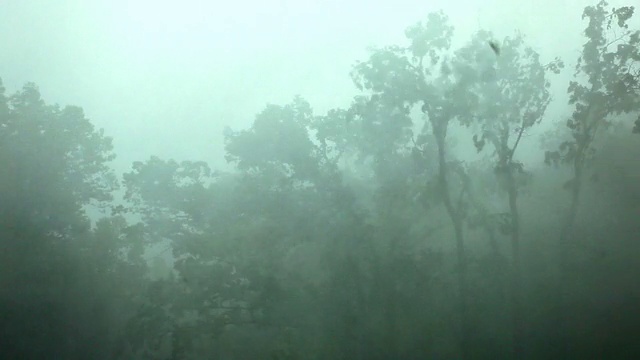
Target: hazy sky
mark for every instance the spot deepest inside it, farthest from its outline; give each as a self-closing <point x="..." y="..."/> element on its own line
<point x="164" y="77"/>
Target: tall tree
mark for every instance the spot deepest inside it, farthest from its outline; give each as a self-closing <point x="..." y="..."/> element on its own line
<point x="605" y="86"/>
<point x="511" y="92"/>
<point x="399" y="80"/>
<point x="53" y="164"/>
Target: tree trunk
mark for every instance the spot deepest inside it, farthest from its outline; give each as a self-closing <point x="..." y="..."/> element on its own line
<point x="516" y="274"/>
<point x="458" y="226"/>
<point x="566" y="244"/>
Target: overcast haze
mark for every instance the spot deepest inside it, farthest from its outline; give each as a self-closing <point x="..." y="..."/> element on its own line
<point x="452" y="205"/>
<point x="164" y="78"/>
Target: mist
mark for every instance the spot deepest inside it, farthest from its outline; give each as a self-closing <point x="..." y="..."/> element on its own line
<point x="165" y="78"/>
<point x="319" y="179"/>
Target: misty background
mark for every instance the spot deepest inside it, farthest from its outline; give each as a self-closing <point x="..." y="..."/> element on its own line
<point x="165" y="78"/>
<point x="291" y="180"/>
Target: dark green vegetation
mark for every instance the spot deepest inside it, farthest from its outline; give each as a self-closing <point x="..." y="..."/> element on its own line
<point x="365" y="233"/>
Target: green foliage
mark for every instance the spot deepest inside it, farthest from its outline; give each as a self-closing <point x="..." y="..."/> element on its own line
<point x="398" y="79"/>
<point x="61" y="144"/>
<point x="510" y="93"/>
<point x="158" y="184"/>
<point x="232" y="236"/>
<point x="430" y="37"/>
<point x="278" y="142"/>
<point x="54" y="162"/>
<point x="333" y="133"/>
<point x="608" y="63"/>
<point x="60" y="280"/>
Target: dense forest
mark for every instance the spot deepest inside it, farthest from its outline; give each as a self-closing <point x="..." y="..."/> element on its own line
<point x="412" y="224"/>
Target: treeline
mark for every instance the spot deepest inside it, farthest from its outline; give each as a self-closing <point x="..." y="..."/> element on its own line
<point x="356" y="234"/>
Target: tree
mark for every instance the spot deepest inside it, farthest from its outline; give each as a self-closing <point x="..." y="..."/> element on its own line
<point x="174" y="203"/>
<point x="401" y="79"/>
<point x="54" y="162"/>
<point x="371" y="144"/>
<point x="604" y="87"/>
<point x="236" y="237"/>
<point x="511" y="93"/>
<point x="305" y="207"/>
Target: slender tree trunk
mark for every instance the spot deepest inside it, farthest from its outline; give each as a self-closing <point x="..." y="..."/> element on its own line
<point x="516" y="274"/>
<point x="567" y="242"/>
<point x="391" y="308"/>
<point x="458" y="226"/>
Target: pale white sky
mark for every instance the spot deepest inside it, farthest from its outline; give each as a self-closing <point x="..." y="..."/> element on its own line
<point x="164" y="77"/>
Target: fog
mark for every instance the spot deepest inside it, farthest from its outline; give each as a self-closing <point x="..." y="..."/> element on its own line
<point x="293" y="180"/>
<point x="164" y="78"/>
